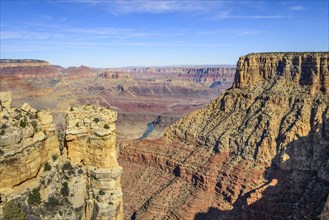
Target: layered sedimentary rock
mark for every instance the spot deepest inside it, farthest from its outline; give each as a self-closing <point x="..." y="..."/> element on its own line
<point x="298" y="68"/>
<point x="208" y="75"/>
<point x="50" y="178"/>
<point x="91" y="143"/>
<point x="259" y="151"/>
<point x="27" y="142"/>
<point x="73" y="73"/>
<point x="28" y="69"/>
<point x="28" y="78"/>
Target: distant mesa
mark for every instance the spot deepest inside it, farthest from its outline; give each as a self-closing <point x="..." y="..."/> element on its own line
<point x="22" y="62"/>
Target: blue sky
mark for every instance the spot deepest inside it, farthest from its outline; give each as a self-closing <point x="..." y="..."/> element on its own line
<point x="117" y="33"/>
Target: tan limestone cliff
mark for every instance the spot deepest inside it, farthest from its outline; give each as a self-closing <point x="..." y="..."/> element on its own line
<point x="27" y="142"/>
<point x="81" y="181"/>
<point x="91" y="143"/>
<point x="299" y="68"/>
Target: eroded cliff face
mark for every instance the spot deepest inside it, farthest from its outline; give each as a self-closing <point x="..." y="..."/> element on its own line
<point x="27" y="142"/>
<point x="259" y="151"/>
<point x="299" y="68"/>
<point x="28" y="69"/>
<point x="91" y="143"/>
<point x="28" y="78"/>
<point x="49" y="178"/>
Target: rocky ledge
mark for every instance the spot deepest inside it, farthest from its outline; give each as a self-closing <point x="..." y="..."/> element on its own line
<point x="91" y="143"/>
<point x="310" y="69"/>
<point x="27" y="142"/>
<point x="48" y="173"/>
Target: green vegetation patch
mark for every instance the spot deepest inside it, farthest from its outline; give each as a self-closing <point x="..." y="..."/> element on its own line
<point x="12" y="211"/>
<point x="34" y="197"/>
<point x="65" y="189"/>
<point x="47" y="167"/>
<point x="67" y="166"/>
<point x="52" y="203"/>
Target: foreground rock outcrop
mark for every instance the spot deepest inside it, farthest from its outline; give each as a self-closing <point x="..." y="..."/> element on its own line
<point x="91" y="143"/>
<point x="27" y="142"/>
<point x="59" y="174"/>
<point x="259" y="151"/>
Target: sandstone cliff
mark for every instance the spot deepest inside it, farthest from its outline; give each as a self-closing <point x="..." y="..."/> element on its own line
<point x="298" y="68"/>
<point x="27" y="142"/>
<point x="91" y="142"/>
<point x="47" y="181"/>
<point x="259" y="151"/>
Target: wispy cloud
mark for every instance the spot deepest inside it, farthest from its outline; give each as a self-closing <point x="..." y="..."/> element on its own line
<point x="227" y="15"/>
<point x="148" y="6"/>
<point x="297" y="8"/>
<point x="249" y="33"/>
<point x="33" y="31"/>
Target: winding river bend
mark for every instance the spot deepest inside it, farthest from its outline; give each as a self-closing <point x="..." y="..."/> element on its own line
<point x="150" y="128"/>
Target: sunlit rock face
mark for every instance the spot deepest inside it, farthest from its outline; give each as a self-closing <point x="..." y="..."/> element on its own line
<point x="91" y="143"/>
<point x="74" y="170"/>
<point x="27" y="142"/>
<point x="255" y="152"/>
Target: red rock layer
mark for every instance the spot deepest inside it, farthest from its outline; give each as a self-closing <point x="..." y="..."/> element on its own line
<point x="259" y="151"/>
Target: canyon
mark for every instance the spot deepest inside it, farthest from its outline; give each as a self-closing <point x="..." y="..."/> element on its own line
<point x="259" y="151"/>
<point x="254" y="149"/>
<point x="140" y="94"/>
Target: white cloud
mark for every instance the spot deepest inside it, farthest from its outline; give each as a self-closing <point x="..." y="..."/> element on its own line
<point x="249" y="32"/>
<point x="227" y="15"/>
<point x="297" y="8"/>
<point x="155" y="6"/>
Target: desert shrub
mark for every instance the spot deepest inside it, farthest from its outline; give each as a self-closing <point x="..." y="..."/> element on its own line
<point x="77" y="124"/>
<point x="34" y="197"/>
<point x="52" y="202"/>
<point x="54" y="156"/>
<point x="12" y="211"/>
<point x="67" y="166"/>
<point x="65" y="189"/>
<point x="96" y="120"/>
<point x="1" y="152"/>
<point x="2" y="132"/>
<point x="34" y="124"/>
<point x="5" y="117"/>
<point x="32" y="116"/>
<point x="71" y="172"/>
<point x="71" y="109"/>
<point x="22" y="123"/>
<point x="106" y="126"/>
<point x="101" y="192"/>
<point x="42" y="182"/>
<point x="4" y="126"/>
<point x="47" y="167"/>
<point x="80" y="171"/>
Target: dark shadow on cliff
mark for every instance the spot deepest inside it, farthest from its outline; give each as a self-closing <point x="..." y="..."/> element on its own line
<point x="299" y="193"/>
